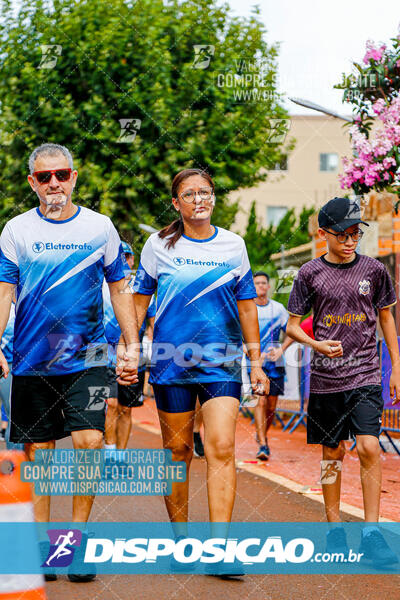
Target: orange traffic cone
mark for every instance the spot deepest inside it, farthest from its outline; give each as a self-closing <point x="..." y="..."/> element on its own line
<point x="16" y="506"/>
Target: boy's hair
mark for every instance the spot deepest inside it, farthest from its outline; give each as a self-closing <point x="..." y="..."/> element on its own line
<point x="263" y="273"/>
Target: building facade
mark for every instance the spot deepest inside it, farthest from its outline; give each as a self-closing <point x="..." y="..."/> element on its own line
<point x="308" y="178"/>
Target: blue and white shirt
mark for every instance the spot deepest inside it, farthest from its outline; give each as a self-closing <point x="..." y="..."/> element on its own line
<point x="272" y="319"/>
<point x="113" y="331"/>
<point x="58" y="268"/>
<point x="8" y="336"/>
<point x="197" y="334"/>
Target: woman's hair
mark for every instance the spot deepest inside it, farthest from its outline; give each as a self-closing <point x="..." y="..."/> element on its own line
<point x="174" y="230"/>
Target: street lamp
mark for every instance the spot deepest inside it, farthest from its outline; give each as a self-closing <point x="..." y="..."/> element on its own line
<point x="317" y="107"/>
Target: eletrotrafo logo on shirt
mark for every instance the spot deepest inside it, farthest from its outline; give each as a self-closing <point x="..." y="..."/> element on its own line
<point x="39" y="247"/>
<point x="180" y="261"/>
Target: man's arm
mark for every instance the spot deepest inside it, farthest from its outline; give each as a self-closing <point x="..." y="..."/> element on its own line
<point x="330" y="348"/>
<point x="6" y="296"/>
<point x="251" y="334"/>
<point x="128" y="350"/>
<point x="389" y="331"/>
<point x="274" y="353"/>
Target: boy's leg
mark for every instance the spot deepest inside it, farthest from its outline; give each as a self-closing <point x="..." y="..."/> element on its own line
<point x="331" y="466"/>
<point x="270" y="412"/>
<point x="260" y="418"/>
<point x="371" y="475"/>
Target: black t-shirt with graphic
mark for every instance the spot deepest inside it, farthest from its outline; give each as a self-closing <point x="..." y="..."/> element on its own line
<point x="345" y="298"/>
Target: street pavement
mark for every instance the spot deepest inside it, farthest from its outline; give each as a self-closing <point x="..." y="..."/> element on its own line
<point x="258" y="499"/>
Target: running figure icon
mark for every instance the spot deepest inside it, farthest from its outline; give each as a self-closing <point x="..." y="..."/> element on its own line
<point x="62" y="542"/>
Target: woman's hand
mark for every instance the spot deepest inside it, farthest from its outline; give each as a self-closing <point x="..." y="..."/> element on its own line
<point x="259" y="381"/>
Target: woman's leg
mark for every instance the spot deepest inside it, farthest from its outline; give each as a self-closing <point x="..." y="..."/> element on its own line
<point x="177" y="434"/>
<point x="219" y="418"/>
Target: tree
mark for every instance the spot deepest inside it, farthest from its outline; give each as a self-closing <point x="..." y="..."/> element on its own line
<point x="373" y="89"/>
<point x="137" y="91"/>
<point x="261" y="242"/>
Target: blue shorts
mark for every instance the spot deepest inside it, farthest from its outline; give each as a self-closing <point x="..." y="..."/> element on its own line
<point x="182" y="398"/>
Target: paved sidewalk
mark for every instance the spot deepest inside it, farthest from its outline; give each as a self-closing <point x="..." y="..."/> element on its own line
<point x="293" y="459"/>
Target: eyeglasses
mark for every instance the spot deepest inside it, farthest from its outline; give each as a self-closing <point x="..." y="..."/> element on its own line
<point x="189" y="196"/>
<point x="343" y="237"/>
<point x="45" y="176"/>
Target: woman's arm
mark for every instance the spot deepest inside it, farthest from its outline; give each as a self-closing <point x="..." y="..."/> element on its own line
<point x="251" y="334"/>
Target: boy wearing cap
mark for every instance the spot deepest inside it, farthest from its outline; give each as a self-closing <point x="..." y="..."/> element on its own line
<point x="348" y="292"/>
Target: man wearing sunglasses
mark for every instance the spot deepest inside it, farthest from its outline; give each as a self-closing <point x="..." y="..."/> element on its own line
<point x="56" y="256"/>
<point x="348" y="292"/>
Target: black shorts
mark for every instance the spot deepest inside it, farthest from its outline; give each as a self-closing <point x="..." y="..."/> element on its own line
<point x="340" y="415"/>
<point x="132" y="395"/>
<point x="276" y="386"/>
<point x="50" y="408"/>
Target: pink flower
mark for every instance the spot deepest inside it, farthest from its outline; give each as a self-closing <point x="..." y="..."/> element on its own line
<point x="373" y="53"/>
<point x="378" y="106"/>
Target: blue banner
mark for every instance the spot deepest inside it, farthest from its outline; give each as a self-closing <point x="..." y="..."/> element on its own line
<point x="253" y="548"/>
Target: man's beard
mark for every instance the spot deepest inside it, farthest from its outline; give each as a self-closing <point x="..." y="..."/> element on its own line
<point x="55" y="204"/>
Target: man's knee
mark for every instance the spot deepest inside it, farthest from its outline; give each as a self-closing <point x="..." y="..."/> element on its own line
<point x="334" y="453"/>
<point x="124" y="411"/>
<point x="368" y="447"/>
<point x="30" y="449"/>
<point x="87" y="439"/>
<point x="112" y="403"/>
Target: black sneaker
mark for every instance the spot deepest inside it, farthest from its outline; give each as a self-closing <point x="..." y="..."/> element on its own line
<point x="374" y="547"/>
<point x="198" y="448"/>
<point x="85" y="572"/>
<point x="224" y="571"/>
<point x="336" y="541"/>
<point x="44" y="548"/>
<point x="262" y="453"/>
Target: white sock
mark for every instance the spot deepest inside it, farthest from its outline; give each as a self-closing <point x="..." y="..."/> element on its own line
<point x="110" y="446"/>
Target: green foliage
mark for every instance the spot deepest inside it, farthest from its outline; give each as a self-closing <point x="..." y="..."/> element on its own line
<point x="122" y="59"/>
<point x="262" y="242"/>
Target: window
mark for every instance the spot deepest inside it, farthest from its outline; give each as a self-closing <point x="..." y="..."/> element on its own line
<point x="282" y="165"/>
<point x="328" y="161"/>
<point x="275" y="214"/>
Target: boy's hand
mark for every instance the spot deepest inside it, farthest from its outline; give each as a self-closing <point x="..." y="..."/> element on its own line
<point x="274" y="353"/>
<point x="330" y="348"/>
<point x="394" y="386"/>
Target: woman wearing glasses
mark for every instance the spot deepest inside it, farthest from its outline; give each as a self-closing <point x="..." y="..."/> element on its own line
<point x="205" y="306"/>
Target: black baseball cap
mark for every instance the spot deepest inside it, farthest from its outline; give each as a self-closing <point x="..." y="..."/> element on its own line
<point x="339" y="214"/>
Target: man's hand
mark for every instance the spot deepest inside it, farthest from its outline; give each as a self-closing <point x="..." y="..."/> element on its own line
<point x="259" y="381"/>
<point x="394" y="386"/>
<point x="331" y="348"/>
<point x="274" y="353"/>
<point x="127" y="363"/>
<point x="4" y="365"/>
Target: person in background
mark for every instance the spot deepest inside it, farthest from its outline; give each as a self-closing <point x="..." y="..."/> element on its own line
<point x="272" y="320"/>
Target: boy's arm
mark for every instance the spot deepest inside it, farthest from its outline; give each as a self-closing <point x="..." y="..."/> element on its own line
<point x="389" y="331"/>
<point x="330" y="348"/>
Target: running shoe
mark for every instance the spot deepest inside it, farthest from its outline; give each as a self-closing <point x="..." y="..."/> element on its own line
<point x="198" y="449"/>
<point x="263" y="453"/>
<point x="375" y="548"/>
<point x="336" y="541"/>
<point x="224" y="571"/>
<point x="267" y="447"/>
